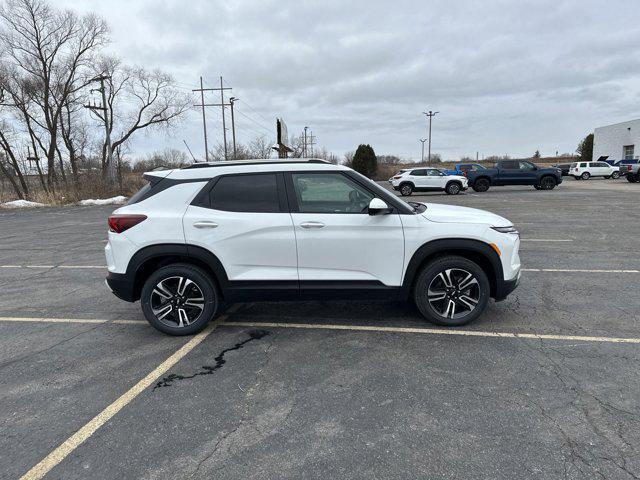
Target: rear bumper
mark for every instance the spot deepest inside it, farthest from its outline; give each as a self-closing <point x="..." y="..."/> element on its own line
<point x="505" y="287"/>
<point x="122" y="286"/>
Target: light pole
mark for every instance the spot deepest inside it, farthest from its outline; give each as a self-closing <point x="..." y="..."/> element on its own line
<point x="232" y="100"/>
<point x="430" y="114"/>
<point x="422" y="140"/>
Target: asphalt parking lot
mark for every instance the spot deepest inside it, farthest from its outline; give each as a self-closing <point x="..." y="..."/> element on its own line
<point x="545" y="385"/>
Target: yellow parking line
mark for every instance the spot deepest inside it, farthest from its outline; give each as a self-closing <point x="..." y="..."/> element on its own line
<point x="577" y="270"/>
<point x="102" y="267"/>
<point x="70" y="320"/>
<point x="360" y="328"/>
<point x="75" y="440"/>
<point x="433" y="331"/>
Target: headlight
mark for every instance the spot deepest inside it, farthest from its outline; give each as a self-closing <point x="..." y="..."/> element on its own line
<point x="510" y="229"/>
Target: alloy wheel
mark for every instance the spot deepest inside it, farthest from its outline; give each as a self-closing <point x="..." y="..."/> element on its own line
<point x="548" y="183"/>
<point x="454" y="293"/>
<point x="177" y="301"/>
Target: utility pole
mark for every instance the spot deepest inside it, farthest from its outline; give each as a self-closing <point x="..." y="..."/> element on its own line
<point x="311" y="142"/>
<point x="430" y="114"/>
<point x="204" y="119"/>
<point x="104" y="116"/>
<point x="221" y="104"/>
<point x="233" y="100"/>
<point x="304" y="143"/>
<point x="422" y="140"/>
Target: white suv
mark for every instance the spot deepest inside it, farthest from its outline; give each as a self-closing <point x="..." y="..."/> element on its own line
<point x="427" y="179"/>
<point x="196" y="237"/>
<point x="586" y="170"/>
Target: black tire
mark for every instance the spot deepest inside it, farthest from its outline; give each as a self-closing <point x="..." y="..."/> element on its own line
<point x="548" y="183"/>
<point x="537" y="187"/>
<point x="585" y="176"/>
<point x="406" y="189"/>
<point x="481" y="185"/>
<point x="615" y="175"/>
<point x="633" y="177"/>
<point x="432" y="279"/>
<point x="453" y="188"/>
<point x="196" y="284"/>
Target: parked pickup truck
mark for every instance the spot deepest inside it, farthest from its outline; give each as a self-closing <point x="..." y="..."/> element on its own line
<point x="632" y="171"/>
<point x="463" y="168"/>
<point x="515" y="172"/>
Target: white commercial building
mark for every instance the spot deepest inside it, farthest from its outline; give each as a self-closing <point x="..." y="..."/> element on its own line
<point x="620" y="141"/>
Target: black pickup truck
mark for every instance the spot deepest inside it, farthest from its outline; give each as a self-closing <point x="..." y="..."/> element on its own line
<point x="515" y="172"/>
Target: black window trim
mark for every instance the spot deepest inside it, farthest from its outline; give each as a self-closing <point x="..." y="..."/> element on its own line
<point x="203" y="198"/>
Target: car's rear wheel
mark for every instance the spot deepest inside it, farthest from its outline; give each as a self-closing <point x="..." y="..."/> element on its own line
<point x="633" y="178"/>
<point x="179" y="299"/>
<point x="452" y="188"/>
<point x="585" y="176"/>
<point x="451" y="291"/>
<point x="537" y="187"/>
<point x="481" y="185"/>
<point x="547" y="183"/>
<point x="615" y="175"/>
<point x="406" y="189"/>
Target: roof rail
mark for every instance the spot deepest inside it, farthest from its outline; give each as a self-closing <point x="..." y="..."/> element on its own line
<point x="264" y="161"/>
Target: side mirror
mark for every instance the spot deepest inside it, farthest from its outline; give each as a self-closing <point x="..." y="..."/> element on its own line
<point x="379" y="207"/>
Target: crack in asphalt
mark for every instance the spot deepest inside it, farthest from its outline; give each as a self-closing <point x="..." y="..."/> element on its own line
<point x="210" y="369"/>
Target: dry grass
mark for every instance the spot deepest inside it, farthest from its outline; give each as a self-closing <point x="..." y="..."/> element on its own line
<point x="88" y="186"/>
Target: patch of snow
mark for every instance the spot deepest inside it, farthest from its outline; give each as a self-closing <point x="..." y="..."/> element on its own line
<point x="21" y="204"/>
<point x="104" y="201"/>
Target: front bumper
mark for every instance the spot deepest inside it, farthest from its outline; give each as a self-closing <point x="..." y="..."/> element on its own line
<point x="122" y="286"/>
<point x="505" y="287"/>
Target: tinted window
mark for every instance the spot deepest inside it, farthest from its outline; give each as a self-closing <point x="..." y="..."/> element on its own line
<point x="526" y="166"/>
<point x="329" y="193"/>
<point x="419" y="173"/>
<point x="583" y="165"/>
<point x="139" y="194"/>
<point x="246" y="193"/>
<point x="510" y="165"/>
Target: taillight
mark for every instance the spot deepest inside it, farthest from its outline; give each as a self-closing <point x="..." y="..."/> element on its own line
<point x="120" y="223"/>
<point x="397" y="177"/>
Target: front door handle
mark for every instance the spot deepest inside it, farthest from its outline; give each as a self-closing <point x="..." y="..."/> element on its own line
<point x="205" y="224"/>
<point x="312" y="225"/>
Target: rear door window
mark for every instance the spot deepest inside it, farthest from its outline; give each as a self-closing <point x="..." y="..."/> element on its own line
<point x="256" y="193"/>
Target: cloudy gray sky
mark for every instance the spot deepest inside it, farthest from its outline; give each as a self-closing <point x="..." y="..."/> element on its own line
<point x="508" y="77"/>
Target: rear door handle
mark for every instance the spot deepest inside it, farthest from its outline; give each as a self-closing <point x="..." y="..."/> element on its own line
<point x="205" y="224"/>
<point x="312" y="225"/>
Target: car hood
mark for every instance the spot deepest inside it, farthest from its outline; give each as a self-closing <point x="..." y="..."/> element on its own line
<point x="452" y="214"/>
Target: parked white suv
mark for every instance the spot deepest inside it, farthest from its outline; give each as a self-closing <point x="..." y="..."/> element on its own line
<point x="427" y="179"/>
<point x="196" y="237"/>
<point x="586" y="170"/>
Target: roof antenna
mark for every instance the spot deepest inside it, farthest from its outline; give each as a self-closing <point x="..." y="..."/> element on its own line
<point x="194" y="158"/>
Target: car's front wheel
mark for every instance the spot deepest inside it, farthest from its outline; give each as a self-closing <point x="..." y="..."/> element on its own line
<point x="179" y="299"/>
<point x="615" y="175"/>
<point x="453" y="188"/>
<point x="451" y="291"/>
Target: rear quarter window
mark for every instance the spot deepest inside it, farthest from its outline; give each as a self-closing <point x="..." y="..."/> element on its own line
<point x="140" y="194"/>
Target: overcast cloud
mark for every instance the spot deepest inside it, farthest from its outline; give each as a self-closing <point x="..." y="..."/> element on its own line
<point x="507" y="77"/>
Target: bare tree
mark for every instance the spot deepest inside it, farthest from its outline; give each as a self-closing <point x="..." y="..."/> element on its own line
<point x="138" y="99"/>
<point x="49" y="50"/>
<point x="260" y="147"/>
